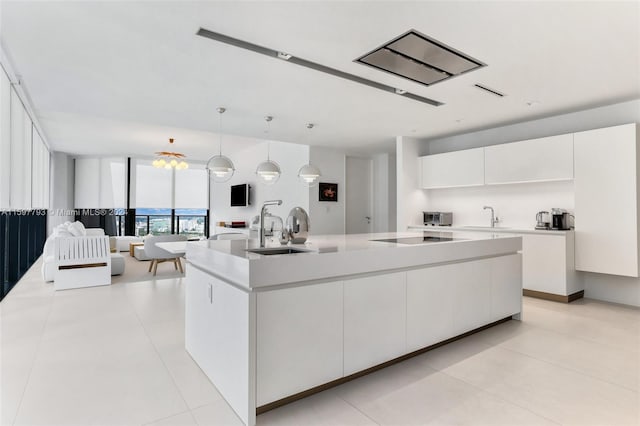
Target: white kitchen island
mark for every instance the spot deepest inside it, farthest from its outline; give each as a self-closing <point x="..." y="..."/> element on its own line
<point x="267" y="329"/>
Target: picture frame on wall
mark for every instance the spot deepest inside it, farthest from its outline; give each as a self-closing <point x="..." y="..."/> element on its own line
<point x="327" y="191"/>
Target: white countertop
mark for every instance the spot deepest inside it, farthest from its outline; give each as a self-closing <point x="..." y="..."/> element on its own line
<point x="498" y="229"/>
<point x="339" y="256"/>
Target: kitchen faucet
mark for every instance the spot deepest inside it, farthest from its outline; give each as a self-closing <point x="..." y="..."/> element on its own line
<point x="494" y="219"/>
<point x="262" y="212"/>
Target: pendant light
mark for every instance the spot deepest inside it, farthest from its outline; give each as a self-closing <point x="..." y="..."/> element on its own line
<point x="170" y="160"/>
<point x="219" y="167"/>
<point x="268" y="171"/>
<point x="309" y="174"/>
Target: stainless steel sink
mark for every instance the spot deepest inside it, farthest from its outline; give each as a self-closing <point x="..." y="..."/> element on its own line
<point x="267" y="251"/>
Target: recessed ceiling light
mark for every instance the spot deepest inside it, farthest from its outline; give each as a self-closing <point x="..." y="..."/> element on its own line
<point x="284" y="56"/>
<point x="459" y="120"/>
<point x="400" y="91"/>
<point x="533" y="103"/>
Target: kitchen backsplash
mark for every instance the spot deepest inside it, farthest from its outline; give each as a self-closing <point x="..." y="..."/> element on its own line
<point x="515" y="204"/>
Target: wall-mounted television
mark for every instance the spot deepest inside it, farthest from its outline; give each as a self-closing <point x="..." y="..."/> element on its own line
<point x="240" y="195"/>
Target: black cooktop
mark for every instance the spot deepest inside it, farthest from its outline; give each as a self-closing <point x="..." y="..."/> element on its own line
<point x="418" y="240"/>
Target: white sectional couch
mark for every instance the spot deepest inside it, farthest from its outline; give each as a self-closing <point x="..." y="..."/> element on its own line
<point x="78" y="257"/>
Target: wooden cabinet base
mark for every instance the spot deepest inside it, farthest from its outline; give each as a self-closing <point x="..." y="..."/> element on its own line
<point x="284" y="401"/>
<point x="553" y="297"/>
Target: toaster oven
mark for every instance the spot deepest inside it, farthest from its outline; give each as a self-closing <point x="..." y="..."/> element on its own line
<point x="438" y="218"/>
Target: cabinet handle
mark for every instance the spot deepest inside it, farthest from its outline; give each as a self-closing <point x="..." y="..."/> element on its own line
<point x="210" y="293"/>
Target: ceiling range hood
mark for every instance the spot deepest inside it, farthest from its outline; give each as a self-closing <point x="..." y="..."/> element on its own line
<point x="420" y="58"/>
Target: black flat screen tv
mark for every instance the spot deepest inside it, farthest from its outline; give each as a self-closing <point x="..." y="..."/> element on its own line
<point x="240" y="195"/>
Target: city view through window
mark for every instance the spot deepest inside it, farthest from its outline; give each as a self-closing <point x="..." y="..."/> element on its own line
<point x="189" y="222"/>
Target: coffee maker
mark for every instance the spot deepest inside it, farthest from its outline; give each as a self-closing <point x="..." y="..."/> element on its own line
<point x="542" y="220"/>
<point x="560" y="219"/>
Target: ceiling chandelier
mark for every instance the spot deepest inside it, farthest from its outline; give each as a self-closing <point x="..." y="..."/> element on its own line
<point x="309" y="174"/>
<point x="268" y="171"/>
<point x="170" y="160"/>
<point x="219" y="167"/>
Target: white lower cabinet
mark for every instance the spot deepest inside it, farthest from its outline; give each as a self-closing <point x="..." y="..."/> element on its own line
<point x="374" y="320"/>
<point x="299" y="339"/>
<point x="506" y="298"/>
<point x="430" y="305"/>
<point x="218" y="336"/>
<point x="471" y="284"/>
<point x="445" y="301"/>
<point x="548" y="265"/>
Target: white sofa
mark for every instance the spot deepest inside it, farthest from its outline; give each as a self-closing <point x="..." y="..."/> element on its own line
<point x="78" y="257"/>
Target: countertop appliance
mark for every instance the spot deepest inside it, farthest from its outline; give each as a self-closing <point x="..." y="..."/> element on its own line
<point x="542" y="220"/>
<point x="560" y="219"/>
<point x="438" y="218"/>
<point x="298" y="225"/>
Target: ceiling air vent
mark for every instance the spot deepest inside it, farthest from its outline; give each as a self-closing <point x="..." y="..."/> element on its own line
<point x="488" y="90"/>
<point x="420" y="58"/>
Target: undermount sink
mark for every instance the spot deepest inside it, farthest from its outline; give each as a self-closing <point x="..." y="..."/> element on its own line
<point x="267" y="251"/>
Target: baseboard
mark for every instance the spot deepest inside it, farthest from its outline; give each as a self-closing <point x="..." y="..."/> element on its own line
<point x="553" y="297"/>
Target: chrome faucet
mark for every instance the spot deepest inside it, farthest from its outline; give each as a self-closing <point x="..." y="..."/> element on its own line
<point x="494" y="219"/>
<point x="262" y="212"/>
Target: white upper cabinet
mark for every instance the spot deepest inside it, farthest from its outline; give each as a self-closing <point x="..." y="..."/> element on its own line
<point x="5" y="139"/>
<point x="535" y="160"/>
<point x="606" y="190"/>
<point x="451" y="169"/>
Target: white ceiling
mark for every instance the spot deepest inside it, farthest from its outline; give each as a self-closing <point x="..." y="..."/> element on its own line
<point x="123" y="77"/>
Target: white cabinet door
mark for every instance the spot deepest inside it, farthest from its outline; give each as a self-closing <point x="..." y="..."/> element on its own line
<point x="430" y="306"/>
<point x="374" y="320"/>
<point x="299" y="339"/>
<point x="606" y="188"/>
<point x="451" y="169"/>
<point x="535" y="160"/>
<point x="472" y="295"/>
<point x="219" y="337"/>
<point x="544" y="266"/>
<point x="5" y="139"/>
<point x="506" y="286"/>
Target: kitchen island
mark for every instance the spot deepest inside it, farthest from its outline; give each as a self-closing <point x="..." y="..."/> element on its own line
<point x="267" y="329"/>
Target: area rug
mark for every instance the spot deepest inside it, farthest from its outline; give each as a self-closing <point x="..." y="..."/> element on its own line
<point x="138" y="270"/>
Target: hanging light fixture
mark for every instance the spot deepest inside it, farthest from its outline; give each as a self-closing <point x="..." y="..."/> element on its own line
<point x="268" y="171"/>
<point x="219" y="167"/>
<point x="170" y="160"/>
<point x="309" y="174"/>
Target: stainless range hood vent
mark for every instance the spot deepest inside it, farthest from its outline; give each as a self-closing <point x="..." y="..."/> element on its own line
<point x="420" y="58"/>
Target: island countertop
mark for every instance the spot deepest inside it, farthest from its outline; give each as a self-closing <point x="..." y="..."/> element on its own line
<point x="337" y="256"/>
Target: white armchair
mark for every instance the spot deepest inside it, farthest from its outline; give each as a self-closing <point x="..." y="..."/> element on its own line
<point x="158" y="255"/>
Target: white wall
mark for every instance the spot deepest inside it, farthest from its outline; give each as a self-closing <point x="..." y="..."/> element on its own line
<point x="62" y="189"/>
<point x="327" y="217"/>
<point x="518" y="202"/>
<point x="515" y="205"/>
<point x="384" y="193"/>
<point x="411" y="200"/>
<point x="289" y="156"/>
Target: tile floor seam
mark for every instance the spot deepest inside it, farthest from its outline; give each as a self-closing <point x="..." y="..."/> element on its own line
<point x="33" y="362"/>
<point x="541" y="327"/>
<point x="358" y="410"/>
<point x="567" y="368"/>
<point x="164" y="364"/>
<point x="168" y="417"/>
<point x="500" y="398"/>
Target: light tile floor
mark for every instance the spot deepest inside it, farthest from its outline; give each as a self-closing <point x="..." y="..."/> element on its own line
<point x="115" y="356"/>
